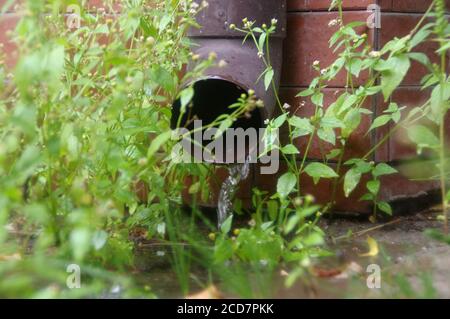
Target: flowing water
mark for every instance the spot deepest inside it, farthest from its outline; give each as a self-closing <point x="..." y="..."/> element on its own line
<point x="237" y="173"/>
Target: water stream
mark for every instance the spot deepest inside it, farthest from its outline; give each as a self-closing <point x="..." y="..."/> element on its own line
<point x="237" y="173"/>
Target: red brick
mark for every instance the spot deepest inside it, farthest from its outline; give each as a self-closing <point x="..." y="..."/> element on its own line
<point x="402" y="186"/>
<point x="400" y="146"/>
<point x="311" y="5"/>
<point x="116" y="5"/>
<point x="399" y="25"/>
<point x="8" y="23"/>
<point x="358" y="143"/>
<point x="413" y="5"/>
<point x="307" y="41"/>
<point x="394" y="188"/>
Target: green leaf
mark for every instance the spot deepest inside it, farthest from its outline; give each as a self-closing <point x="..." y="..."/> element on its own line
<point x="223" y="250"/>
<point x="224" y="125"/>
<point x="333" y="154"/>
<point x="272" y="207"/>
<point x="423" y="137"/>
<point x="392" y="77"/>
<point x="164" y="22"/>
<point x="286" y="184"/>
<point x="422" y="58"/>
<point x="317" y="98"/>
<point x="319" y="170"/>
<point x="439" y="101"/>
<point x="162" y="77"/>
<point x="80" y="242"/>
<point x="351" y="120"/>
<point x="373" y="187"/>
<point x="279" y="121"/>
<point x="349" y="102"/>
<point x="306" y="92"/>
<point x="99" y="239"/>
<point x="351" y="180"/>
<point x="158" y="142"/>
<point x="327" y="134"/>
<point x="185" y="98"/>
<point x="27" y="163"/>
<point x="383" y="169"/>
<point x="302" y="126"/>
<point x="291" y="223"/>
<point x="262" y="40"/>
<point x="380" y="121"/>
<point x="420" y="36"/>
<point x="226" y="226"/>
<point x="268" y="78"/>
<point x="308" y="211"/>
<point x="289" y="149"/>
<point x="314" y="239"/>
<point x="385" y="207"/>
<point x="355" y="67"/>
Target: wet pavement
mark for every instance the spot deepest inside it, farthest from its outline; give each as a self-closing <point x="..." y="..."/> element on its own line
<point x="412" y="265"/>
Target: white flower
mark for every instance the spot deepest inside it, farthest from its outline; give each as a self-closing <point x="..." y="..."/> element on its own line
<point x="316" y="63"/>
<point x="222" y="63"/>
<point x="266" y="122"/>
<point x="286" y="106"/>
<point x="375" y="54"/>
<point x="333" y="23"/>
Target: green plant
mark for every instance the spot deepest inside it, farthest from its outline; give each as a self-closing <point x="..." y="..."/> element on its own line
<point x="76" y="114"/>
<point x="86" y="147"/>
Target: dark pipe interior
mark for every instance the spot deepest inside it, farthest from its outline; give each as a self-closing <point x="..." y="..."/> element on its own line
<point x="212" y="97"/>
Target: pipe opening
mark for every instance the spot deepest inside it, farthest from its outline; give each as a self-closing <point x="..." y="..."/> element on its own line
<point x="212" y="98"/>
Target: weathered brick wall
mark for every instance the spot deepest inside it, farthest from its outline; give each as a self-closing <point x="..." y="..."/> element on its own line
<point x="307" y="41"/>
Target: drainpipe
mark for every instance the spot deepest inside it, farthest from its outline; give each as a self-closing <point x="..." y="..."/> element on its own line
<point x="221" y="87"/>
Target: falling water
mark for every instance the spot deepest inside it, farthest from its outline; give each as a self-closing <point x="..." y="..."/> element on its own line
<point x="237" y="173"/>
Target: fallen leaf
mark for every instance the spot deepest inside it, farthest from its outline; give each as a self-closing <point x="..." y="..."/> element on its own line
<point x="351" y="270"/>
<point x="326" y="273"/>
<point x="209" y="293"/>
<point x="373" y="248"/>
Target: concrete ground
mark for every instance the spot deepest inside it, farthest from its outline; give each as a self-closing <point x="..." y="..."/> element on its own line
<point x="412" y="264"/>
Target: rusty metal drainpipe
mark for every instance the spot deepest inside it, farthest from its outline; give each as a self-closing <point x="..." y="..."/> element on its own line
<point x="221" y="87"/>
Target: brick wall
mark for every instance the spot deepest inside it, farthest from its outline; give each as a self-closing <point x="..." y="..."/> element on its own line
<point x="307" y="41"/>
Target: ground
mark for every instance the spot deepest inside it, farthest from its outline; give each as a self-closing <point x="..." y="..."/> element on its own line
<point x="412" y="264"/>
